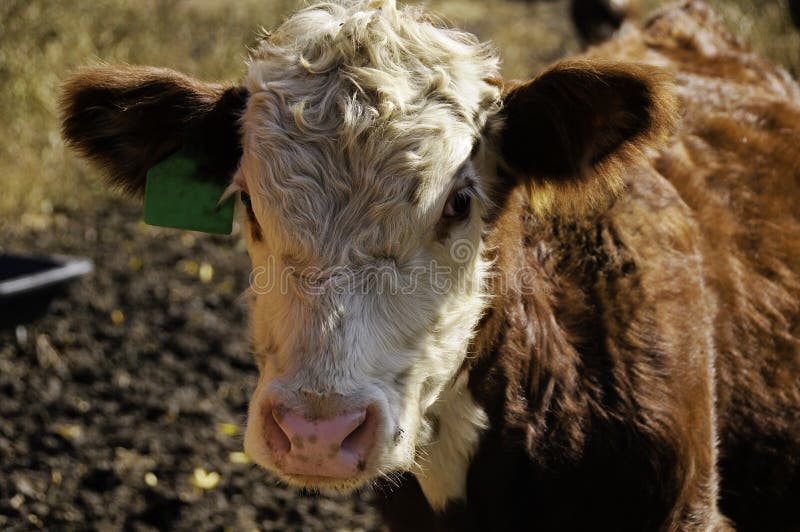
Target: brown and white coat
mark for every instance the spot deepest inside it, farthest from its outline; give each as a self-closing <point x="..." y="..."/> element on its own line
<point x="622" y="351"/>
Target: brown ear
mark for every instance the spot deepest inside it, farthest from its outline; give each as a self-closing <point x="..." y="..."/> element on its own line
<point x="569" y="131"/>
<point x="127" y="119"/>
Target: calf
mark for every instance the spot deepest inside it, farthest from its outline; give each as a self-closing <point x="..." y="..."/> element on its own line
<point x="564" y="304"/>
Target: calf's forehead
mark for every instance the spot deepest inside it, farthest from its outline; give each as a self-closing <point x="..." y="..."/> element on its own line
<point x="384" y="182"/>
<point x="360" y="115"/>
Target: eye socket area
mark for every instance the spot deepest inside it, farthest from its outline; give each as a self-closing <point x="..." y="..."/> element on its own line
<point x="244" y="197"/>
<point x="248" y="205"/>
<point x="459" y="205"/>
<point x="247" y="202"/>
<point x="255" y="228"/>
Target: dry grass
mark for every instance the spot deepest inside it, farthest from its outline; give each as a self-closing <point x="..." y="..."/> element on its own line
<point x="41" y="42"/>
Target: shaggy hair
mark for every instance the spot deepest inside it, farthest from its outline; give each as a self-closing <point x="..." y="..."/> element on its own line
<point x="367" y="87"/>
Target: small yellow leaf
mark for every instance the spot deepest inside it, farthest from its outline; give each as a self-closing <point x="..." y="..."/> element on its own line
<point x="189" y="266"/>
<point x="117" y="317"/>
<point x="69" y="432"/>
<point x="135" y="263"/>
<point x="227" y="429"/>
<point x="204" y="480"/>
<point x="206" y="272"/>
<point x="239" y="457"/>
<point x="151" y="479"/>
<point x="225" y="287"/>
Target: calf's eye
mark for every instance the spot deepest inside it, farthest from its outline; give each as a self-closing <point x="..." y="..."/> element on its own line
<point x="255" y="229"/>
<point x="458" y="205"/>
<point x="246" y="201"/>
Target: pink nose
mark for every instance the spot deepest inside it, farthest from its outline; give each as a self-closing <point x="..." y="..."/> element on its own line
<point x="335" y="447"/>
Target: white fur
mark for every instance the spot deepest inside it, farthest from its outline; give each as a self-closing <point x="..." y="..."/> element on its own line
<point x="442" y="468"/>
<point x="360" y="123"/>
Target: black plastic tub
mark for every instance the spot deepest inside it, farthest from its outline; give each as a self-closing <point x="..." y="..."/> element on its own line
<point x="29" y="283"/>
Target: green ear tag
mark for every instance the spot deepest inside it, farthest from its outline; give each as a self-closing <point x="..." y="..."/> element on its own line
<point x="177" y="195"/>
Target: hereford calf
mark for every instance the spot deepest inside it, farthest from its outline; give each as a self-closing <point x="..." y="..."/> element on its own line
<point x="564" y="304"/>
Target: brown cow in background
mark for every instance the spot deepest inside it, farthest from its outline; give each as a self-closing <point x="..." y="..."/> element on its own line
<point x="794" y="11"/>
<point x="597" y="20"/>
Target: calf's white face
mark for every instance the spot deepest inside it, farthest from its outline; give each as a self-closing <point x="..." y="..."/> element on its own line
<point x="364" y="233"/>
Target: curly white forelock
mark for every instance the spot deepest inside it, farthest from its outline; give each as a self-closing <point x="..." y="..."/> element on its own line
<point x="386" y="102"/>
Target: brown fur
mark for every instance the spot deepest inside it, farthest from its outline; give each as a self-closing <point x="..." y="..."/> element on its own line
<point x="127" y="119"/>
<point x="665" y="322"/>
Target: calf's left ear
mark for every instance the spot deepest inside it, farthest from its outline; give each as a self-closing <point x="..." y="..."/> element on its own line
<point x="569" y="132"/>
<point x="127" y="119"/>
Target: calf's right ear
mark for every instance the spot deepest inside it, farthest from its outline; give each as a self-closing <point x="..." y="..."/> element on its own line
<point x="571" y="133"/>
<point x="127" y="119"/>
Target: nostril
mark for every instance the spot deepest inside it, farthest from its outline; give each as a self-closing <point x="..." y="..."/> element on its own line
<point x="361" y="438"/>
<point x="337" y="446"/>
<point x="276" y="437"/>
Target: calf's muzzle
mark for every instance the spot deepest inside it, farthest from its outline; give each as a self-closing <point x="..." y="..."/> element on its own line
<point x="337" y="446"/>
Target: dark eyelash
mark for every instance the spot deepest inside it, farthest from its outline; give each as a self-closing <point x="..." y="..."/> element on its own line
<point x="459" y="203"/>
<point x="246" y="199"/>
<point x="462" y="200"/>
<point x="475" y="147"/>
<point x="255" y="228"/>
<point x="248" y="204"/>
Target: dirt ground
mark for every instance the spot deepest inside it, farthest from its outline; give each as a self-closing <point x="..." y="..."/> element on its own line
<point x="138" y="378"/>
<point x="123" y="407"/>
